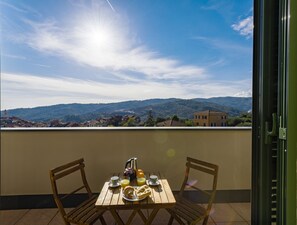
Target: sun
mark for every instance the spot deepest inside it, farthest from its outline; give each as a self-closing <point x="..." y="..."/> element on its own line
<point x="96" y="36"/>
<point x="99" y="36"/>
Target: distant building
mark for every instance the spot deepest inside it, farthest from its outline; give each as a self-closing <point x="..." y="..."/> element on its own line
<point x="171" y="123"/>
<point x="210" y="119"/>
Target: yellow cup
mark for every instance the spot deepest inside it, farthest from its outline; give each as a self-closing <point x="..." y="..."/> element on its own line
<point x="141" y="181"/>
<point x="125" y="182"/>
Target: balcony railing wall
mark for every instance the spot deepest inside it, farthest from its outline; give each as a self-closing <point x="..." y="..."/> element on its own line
<point x="27" y="155"/>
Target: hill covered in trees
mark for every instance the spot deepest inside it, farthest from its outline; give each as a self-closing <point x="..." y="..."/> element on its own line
<point x="158" y="108"/>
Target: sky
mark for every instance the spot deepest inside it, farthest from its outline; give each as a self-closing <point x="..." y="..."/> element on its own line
<point x="101" y="51"/>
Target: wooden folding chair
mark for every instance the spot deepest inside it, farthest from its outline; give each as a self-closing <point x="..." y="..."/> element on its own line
<point x="85" y="213"/>
<point x="186" y="211"/>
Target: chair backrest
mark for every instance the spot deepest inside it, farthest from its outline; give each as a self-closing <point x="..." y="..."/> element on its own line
<point x="211" y="170"/>
<point x="63" y="171"/>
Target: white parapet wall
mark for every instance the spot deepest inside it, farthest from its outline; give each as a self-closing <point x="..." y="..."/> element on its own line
<point x="28" y="154"/>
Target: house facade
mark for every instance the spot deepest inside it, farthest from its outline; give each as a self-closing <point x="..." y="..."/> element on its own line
<point x="210" y="118"/>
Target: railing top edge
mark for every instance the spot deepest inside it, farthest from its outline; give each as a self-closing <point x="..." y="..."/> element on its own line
<point x="120" y="128"/>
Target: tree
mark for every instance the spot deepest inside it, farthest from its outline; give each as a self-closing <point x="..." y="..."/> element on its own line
<point x="175" y="118"/>
<point x="150" y="120"/>
<point x="160" y="119"/>
<point x="114" y="121"/>
<point x="244" y="120"/>
<point x="130" y="122"/>
<point x="72" y="118"/>
<point x="189" y="123"/>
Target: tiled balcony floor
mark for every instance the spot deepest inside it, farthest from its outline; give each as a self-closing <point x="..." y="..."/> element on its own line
<point x="222" y="214"/>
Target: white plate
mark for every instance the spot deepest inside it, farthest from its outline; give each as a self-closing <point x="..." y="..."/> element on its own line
<point x="135" y="199"/>
<point x="114" y="185"/>
<point x="153" y="184"/>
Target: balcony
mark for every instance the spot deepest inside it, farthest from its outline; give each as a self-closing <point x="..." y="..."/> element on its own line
<point x="27" y="155"/>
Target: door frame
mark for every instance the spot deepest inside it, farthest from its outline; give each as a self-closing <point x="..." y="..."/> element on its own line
<point x="263" y="73"/>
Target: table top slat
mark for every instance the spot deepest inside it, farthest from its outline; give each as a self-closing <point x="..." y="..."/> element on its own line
<point x="150" y="199"/>
<point x="156" y="194"/>
<point x="121" y="200"/>
<point x="102" y="195"/>
<point x="108" y="197"/>
<point x="162" y="192"/>
<point x="115" y="196"/>
<point x="170" y="196"/>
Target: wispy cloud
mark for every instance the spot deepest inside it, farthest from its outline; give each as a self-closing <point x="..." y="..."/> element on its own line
<point x="221" y="44"/>
<point x="7" y="5"/>
<point x="221" y="88"/>
<point x="217" y="5"/>
<point x="246" y="93"/>
<point x="244" y="27"/>
<point x="20" y="57"/>
<point x="21" y="8"/>
<point x="105" y="44"/>
<point x="31" y="90"/>
<point x="223" y="7"/>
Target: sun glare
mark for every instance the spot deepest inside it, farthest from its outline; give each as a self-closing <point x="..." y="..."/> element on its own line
<point x="99" y="36"/>
<point x="96" y="36"/>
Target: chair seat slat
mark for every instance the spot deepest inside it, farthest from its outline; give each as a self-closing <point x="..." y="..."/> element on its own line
<point x="93" y="218"/>
<point x="183" y="213"/>
<point x="188" y="210"/>
<point x="90" y="214"/>
<point x="82" y="207"/>
<point x="84" y="213"/>
<point x="195" y="212"/>
<point x="89" y="219"/>
<point x="195" y="208"/>
<point x="199" y="189"/>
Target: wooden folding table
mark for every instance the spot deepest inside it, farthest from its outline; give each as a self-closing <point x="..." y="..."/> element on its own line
<point x="112" y="199"/>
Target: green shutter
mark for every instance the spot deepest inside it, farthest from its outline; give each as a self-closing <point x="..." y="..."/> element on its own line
<point x="274" y="113"/>
<point x="291" y="204"/>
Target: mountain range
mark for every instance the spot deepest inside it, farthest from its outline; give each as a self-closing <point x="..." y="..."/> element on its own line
<point x="163" y="108"/>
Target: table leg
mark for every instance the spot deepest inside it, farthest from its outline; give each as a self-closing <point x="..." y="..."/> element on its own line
<point x="146" y="221"/>
<point x="131" y="217"/>
<point x="117" y="217"/>
<point x="152" y="216"/>
<point x="143" y="217"/>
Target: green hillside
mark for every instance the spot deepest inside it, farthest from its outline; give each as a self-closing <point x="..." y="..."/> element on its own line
<point x="163" y="108"/>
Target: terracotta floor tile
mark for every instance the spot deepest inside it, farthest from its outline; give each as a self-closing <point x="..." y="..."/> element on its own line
<point x="223" y="212"/>
<point x="243" y="209"/>
<point x="233" y="223"/>
<point x="10" y="217"/>
<point x="38" y="217"/>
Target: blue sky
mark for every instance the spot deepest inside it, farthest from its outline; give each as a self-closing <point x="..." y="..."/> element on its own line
<point x="98" y="51"/>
